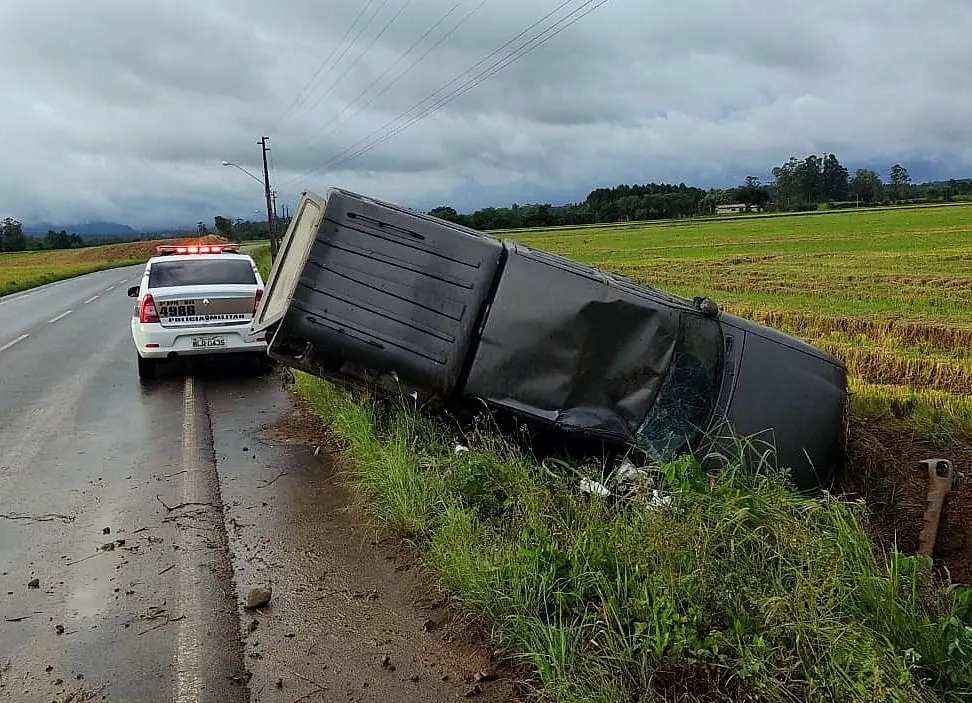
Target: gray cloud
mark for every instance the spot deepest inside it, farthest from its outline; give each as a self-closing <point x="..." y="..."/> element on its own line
<point x="122" y="110"/>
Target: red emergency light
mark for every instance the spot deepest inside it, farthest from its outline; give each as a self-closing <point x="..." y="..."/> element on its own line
<point x="167" y="249"/>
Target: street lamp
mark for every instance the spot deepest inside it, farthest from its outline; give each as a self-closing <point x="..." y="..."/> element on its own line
<point x="266" y="189"/>
<point x="230" y="163"/>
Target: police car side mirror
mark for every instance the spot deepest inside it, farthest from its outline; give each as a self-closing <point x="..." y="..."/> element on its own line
<point x="133" y="292"/>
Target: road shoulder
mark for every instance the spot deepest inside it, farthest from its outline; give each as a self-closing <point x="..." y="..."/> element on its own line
<point x="352" y="616"/>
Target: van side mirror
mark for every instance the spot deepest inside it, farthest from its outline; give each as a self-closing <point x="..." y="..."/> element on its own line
<point x="133" y="292"/>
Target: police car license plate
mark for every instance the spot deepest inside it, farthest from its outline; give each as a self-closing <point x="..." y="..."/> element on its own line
<point x="208" y="342"/>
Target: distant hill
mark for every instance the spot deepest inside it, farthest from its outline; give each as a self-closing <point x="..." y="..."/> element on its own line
<point x="88" y="229"/>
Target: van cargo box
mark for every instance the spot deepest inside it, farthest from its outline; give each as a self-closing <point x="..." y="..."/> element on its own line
<point x="364" y="288"/>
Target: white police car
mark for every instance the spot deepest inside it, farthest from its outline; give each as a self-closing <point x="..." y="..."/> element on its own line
<point x="196" y="300"/>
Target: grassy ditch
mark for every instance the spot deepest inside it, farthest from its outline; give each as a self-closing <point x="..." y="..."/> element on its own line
<point x="737" y="589"/>
<point x="261" y="257"/>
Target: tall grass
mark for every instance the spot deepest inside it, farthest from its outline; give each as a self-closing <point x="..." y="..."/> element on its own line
<point x="261" y="256"/>
<point x="944" y="419"/>
<point x="738" y="589"/>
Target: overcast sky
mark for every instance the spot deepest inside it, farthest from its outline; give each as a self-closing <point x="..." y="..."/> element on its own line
<point x="124" y="109"/>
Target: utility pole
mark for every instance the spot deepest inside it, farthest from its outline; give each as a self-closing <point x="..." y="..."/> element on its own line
<point x="266" y="188"/>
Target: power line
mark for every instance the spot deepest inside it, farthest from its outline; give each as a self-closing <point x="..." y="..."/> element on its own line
<point x="337" y="161"/>
<point x="370" y="142"/>
<point x="441" y="88"/>
<point x="301" y="95"/>
<point x="327" y="126"/>
<point x="361" y="55"/>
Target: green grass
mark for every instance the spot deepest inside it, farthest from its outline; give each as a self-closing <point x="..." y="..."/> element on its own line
<point x="737" y="590"/>
<point x="23" y="270"/>
<point x="913" y="264"/>
<point x="19" y="272"/>
<point x="261" y="255"/>
<point x="740" y="590"/>
<point x="249" y="246"/>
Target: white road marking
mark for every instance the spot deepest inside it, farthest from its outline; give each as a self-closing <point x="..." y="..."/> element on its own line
<point x="14" y="298"/>
<point x="189" y="642"/>
<point x="6" y="346"/>
<point x="60" y="317"/>
<point x="109" y="288"/>
<point x="91" y="299"/>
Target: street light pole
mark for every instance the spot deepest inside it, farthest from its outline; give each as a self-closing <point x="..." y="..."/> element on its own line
<point x="274" y="244"/>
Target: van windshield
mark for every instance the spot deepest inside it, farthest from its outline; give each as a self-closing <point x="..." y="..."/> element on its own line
<point x="202" y="271"/>
<point x="687" y="397"/>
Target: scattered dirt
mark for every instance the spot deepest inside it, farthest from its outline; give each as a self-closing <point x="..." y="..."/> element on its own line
<point x="354" y="616"/>
<point x="299" y="427"/>
<point x="895" y="485"/>
<point x="379" y="606"/>
<point x="257" y="598"/>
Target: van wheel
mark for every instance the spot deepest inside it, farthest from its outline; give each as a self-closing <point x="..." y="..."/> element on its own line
<point x="147" y="368"/>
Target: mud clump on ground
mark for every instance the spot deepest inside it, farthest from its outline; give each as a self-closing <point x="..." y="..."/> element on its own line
<point x="884" y="468"/>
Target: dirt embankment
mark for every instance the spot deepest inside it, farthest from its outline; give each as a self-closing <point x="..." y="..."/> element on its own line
<point x="137" y="250"/>
<point x="889" y="475"/>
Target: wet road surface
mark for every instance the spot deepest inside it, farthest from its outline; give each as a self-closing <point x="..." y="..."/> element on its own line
<point x="134" y="519"/>
<point x="88" y="456"/>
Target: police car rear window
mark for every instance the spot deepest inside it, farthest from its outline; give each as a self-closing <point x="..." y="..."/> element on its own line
<point x="197" y="272"/>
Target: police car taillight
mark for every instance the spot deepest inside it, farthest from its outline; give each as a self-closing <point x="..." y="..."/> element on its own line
<point x="147" y="311"/>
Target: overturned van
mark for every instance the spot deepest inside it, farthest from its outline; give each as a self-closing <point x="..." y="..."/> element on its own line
<point x="367" y="292"/>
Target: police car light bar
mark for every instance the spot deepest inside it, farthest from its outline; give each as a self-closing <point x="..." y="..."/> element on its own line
<point x="204" y="249"/>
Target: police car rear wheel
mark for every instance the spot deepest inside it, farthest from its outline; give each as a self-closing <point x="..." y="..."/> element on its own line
<point x="146" y="368"/>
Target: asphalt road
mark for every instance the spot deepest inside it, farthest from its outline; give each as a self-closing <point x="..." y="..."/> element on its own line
<point x="132" y="599"/>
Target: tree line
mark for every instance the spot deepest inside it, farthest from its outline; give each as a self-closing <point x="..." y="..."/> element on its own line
<point x="13" y="238"/>
<point x="811" y="183"/>
<point x="799" y="185"/>
<point x="243" y="230"/>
